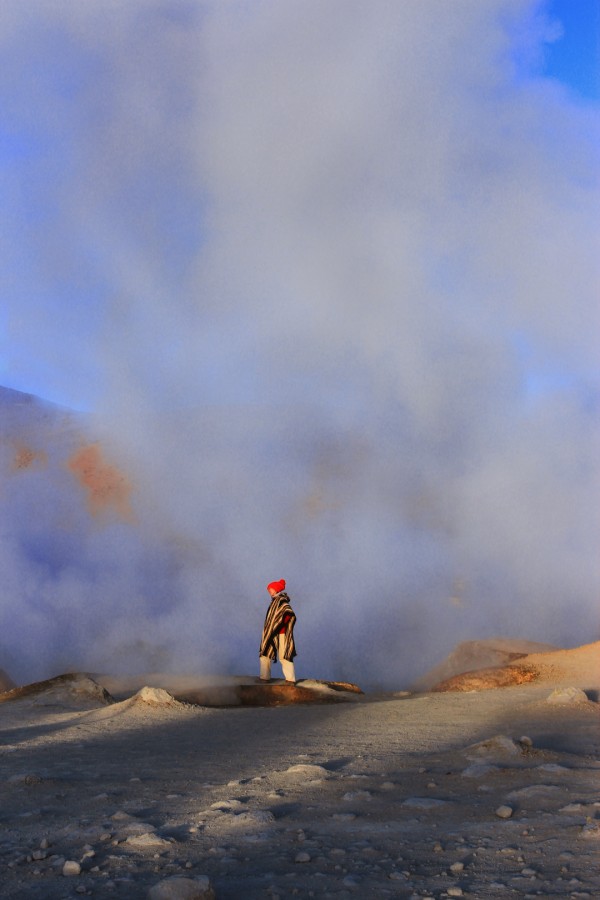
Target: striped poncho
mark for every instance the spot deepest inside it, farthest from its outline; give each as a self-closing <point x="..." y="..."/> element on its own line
<point x="278" y="609"/>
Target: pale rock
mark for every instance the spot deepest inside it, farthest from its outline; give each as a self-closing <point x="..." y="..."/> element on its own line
<point x="457" y="867"/>
<point x="71" y="867"/>
<point x="504" y="812"/>
<point x="302" y="857"/>
<point x="177" y="888"/>
<point x="454" y="892"/>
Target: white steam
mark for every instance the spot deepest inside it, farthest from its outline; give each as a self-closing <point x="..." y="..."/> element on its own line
<point x="324" y="271"/>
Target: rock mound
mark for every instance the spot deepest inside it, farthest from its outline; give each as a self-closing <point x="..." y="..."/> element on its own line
<point x="74" y="690"/>
<point x="579" y="666"/>
<point x="153" y="696"/>
<point x="486" y="679"/>
<point x="470" y="656"/>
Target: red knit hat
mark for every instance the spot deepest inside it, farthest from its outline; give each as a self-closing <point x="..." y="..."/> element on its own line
<point x="277" y="586"/>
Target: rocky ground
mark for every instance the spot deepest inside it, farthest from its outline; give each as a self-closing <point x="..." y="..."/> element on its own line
<point x="484" y="794"/>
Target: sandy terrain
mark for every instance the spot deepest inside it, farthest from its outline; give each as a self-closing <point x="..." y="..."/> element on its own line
<point x="492" y="793"/>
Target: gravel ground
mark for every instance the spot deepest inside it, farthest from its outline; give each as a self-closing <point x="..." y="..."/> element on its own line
<point x="389" y="796"/>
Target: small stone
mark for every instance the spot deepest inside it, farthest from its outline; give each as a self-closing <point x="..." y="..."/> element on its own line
<point x="528" y="872"/>
<point x="44" y="844"/>
<point x="71" y="867"/>
<point x="302" y="857"/>
<point x="437" y="848"/>
<point x="39" y="854"/>
<point x="454" y="892"/>
<point x="526" y="741"/>
<point x="504" y="812"/>
<point x="457" y="867"/>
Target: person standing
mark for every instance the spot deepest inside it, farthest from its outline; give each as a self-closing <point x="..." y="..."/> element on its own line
<point x="278" y="634"/>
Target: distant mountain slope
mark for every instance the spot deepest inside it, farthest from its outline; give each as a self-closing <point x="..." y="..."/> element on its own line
<point x="70" y="551"/>
<point x="36" y="435"/>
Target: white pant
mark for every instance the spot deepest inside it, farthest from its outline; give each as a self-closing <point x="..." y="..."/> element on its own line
<point x="287" y="666"/>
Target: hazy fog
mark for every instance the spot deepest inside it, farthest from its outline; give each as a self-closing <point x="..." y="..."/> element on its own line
<point x="324" y="275"/>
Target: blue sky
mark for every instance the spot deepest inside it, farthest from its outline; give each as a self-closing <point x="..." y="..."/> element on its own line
<point x="35" y="151"/>
<point x="575" y="57"/>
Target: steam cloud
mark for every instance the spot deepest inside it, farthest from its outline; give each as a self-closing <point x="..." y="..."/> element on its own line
<point x="323" y="273"/>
